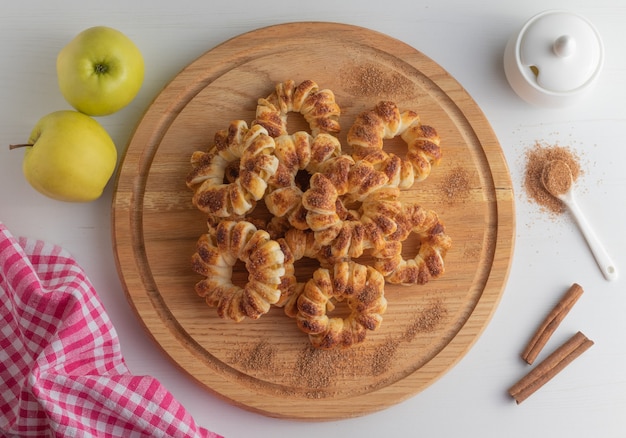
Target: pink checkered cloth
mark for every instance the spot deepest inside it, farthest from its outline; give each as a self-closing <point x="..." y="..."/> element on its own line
<point x="61" y="370"/>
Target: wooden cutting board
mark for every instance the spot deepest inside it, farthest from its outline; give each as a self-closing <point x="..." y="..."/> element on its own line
<point x="267" y="365"/>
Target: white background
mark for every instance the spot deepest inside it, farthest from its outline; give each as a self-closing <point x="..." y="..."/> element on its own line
<point x="466" y="38"/>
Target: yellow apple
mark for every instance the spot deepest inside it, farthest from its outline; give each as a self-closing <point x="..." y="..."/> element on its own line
<point x="100" y="71"/>
<point x="69" y="157"/>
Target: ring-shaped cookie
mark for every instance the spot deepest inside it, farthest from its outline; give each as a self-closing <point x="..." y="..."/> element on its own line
<point x="254" y="149"/>
<point x="217" y="252"/>
<point x="297" y="152"/>
<point x="433" y="242"/>
<point x="340" y="183"/>
<point x="362" y="289"/>
<point x="385" y="121"/>
<point x="357" y="193"/>
<point x="318" y="107"/>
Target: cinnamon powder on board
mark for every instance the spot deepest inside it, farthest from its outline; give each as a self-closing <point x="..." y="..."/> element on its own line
<point x="370" y="80"/>
<point x="456" y="184"/>
<point x="536" y="159"/>
<point x="258" y="357"/>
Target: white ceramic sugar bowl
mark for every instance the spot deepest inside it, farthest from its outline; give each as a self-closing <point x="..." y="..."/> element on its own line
<point x="555" y="59"/>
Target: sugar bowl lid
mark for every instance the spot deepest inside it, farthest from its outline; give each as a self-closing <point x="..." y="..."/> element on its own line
<point x="557" y="54"/>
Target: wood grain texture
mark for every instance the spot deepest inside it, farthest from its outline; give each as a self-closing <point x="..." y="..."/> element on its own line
<point x="267" y="365"/>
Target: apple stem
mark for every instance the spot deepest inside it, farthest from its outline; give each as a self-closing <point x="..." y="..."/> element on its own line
<point x="101" y="69"/>
<point x="22" y="145"/>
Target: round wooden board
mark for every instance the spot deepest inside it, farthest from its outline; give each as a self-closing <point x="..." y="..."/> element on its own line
<point x="266" y="365"/>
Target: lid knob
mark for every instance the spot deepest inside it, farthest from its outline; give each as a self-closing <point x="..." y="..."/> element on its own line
<point x="564" y="46"/>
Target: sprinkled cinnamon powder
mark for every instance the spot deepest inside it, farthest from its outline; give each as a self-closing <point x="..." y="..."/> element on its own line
<point x="259" y="357"/>
<point x="316" y="368"/>
<point x="536" y="158"/>
<point x="426" y="321"/>
<point x="383" y="356"/>
<point x="369" y="80"/>
<point x="456" y="184"/>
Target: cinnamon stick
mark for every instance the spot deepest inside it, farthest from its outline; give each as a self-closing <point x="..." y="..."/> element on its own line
<point x="550" y="367"/>
<point x="551" y="322"/>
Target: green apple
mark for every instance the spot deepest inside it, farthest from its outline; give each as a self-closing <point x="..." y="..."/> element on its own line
<point x="69" y="157"/>
<point x="100" y="71"/>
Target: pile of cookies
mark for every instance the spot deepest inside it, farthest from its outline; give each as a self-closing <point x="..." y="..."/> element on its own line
<point x="348" y="206"/>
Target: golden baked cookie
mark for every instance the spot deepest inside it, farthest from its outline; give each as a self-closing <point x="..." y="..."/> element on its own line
<point x="318" y="107"/>
<point x="361" y="287"/>
<point x="254" y="149"/>
<point x="216" y="254"/>
<point x="385" y="121"/>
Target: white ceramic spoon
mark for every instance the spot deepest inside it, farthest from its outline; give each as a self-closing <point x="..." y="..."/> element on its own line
<point x="557" y="179"/>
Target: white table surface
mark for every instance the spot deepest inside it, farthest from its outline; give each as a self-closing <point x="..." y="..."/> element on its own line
<point x="466" y="38"/>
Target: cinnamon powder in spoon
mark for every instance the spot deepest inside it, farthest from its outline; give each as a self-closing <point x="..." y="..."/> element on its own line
<point x="536" y="158"/>
<point x="557" y="178"/>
